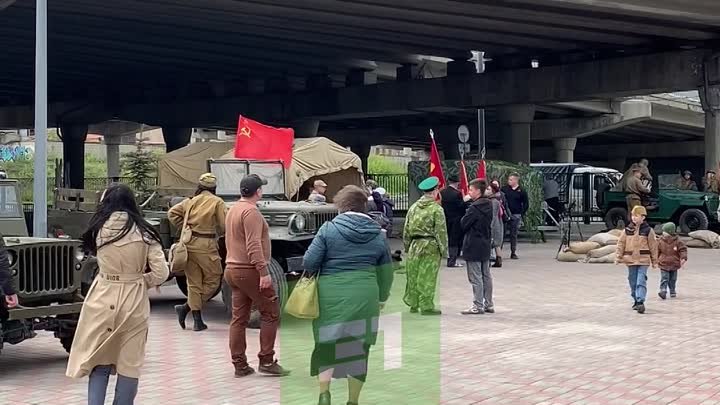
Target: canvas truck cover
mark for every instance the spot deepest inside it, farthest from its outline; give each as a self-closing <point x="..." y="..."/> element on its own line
<point x="312" y="158"/>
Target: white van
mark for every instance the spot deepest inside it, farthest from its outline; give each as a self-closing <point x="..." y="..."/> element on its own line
<point x="581" y="186"/>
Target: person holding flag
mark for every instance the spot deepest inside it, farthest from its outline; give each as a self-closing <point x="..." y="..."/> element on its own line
<point x="454" y="206"/>
<point x="426" y="243"/>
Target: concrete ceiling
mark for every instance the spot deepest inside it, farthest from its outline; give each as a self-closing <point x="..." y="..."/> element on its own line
<point x="130" y="50"/>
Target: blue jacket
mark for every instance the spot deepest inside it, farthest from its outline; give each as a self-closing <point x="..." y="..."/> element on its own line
<point x="351" y="242"/>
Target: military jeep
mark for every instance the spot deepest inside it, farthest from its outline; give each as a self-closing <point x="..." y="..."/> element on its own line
<point x="691" y="210"/>
<point x="47" y="274"/>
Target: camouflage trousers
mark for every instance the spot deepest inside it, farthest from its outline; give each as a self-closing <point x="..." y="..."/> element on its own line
<point x="422" y="275"/>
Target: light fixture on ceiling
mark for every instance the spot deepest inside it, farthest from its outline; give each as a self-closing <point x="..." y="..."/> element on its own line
<point x="534" y="63"/>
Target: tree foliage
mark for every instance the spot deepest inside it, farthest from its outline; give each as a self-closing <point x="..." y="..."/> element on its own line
<point x="140" y="166"/>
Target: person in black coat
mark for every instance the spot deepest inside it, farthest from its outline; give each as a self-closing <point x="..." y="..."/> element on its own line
<point x="477" y="226"/>
<point x="6" y="285"/>
<point x="454" y="207"/>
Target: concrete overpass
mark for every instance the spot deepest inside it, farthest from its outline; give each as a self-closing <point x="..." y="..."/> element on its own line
<point x="332" y="65"/>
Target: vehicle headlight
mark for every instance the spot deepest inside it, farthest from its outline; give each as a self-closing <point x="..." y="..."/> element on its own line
<point x="12" y="257"/>
<point x="296" y="223"/>
<point x="80" y="255"/>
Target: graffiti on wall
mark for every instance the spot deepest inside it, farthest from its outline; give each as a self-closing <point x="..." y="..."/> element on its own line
<point x="12" y="153"/>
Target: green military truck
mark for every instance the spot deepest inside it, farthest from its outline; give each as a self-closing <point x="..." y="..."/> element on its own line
<point x="691" y="210"/>
<point x="47" y="273"/>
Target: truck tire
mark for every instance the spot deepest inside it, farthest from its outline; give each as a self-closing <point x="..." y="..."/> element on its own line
<point x="281" y="288"/>
<point x="616" y="216"/>
<point x="693" y="219"/>
<point x="181" y="282"/>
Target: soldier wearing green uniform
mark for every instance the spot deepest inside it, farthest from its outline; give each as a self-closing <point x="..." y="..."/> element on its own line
<point x="426" y="243"/>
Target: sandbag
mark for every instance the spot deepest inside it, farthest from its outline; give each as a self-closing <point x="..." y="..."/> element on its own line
<point x="570" y="257"/>
<point x="604" y="239"/>
<point x="615" y="232"/>
<point x="602" y="251"/>
<point x="709" y="237"/>
<point x="604" y="259"/>
<point x="582" y="248"/>
<point x="697" y="243"/>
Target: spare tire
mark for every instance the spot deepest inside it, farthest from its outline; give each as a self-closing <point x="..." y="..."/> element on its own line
<point x="277" y="274"/>
<point x="693" y="219"/>
<point x="616" y="218"/>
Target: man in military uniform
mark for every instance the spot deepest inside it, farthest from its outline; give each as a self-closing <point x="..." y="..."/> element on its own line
<point x="635" y="189"/>
<point x="206" y="220"/>
<point x="426" y="243"/>
<point x="645" y="176"/>
<point x="710" y="183"/>
<point x="686" y="182"/>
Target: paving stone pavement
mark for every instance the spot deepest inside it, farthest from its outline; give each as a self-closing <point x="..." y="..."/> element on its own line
<point x="563" y="333"/>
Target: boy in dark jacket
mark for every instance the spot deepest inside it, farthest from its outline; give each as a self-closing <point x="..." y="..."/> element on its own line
<point x="476" y="225"/>
<point x="673" y="255"/>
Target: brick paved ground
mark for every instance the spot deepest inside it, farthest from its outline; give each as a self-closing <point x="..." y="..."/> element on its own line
<point x="563" y="334"/>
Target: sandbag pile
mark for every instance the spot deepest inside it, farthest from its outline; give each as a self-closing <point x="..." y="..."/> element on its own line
<point x="600" y="248"/>
<point x="703" y="240"/>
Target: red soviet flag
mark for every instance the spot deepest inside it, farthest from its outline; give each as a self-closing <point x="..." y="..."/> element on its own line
<point x="464" y="184"/>
<point x="482" y="170"/>
<point x="435" y="162"/>
<point x="256" y="141"/>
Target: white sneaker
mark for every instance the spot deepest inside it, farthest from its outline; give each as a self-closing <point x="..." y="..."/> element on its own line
<point x="473" y="310"/>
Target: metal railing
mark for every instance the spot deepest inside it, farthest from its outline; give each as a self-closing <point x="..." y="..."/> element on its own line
<point x="91" y="183"/>
<point x="396" y="186"/>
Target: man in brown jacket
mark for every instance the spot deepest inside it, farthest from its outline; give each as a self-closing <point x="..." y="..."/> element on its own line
<point x="248" y="256"/>
<point x="637" y="248"/>
<point x="673" y="255"/>
<point x="206" y="220"/>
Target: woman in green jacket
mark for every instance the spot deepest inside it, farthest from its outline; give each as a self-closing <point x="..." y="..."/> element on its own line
<point x="351" y="258"/>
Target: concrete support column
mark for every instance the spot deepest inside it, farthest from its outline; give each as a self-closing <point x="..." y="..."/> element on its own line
<point x="176" y="137"/>
<point x="710" y="98"/>
<point x="306" y="128"/>
<point x="451" y="151"/>
<point x="112" y="148"/>
<point x="565" y="149"/>
<point x="515" y="128"/>
<point x="360" y="77"/>
<point x="363" y="151"/>
<point x="73" y="137"/>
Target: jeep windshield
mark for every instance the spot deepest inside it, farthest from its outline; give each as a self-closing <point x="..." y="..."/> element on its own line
<point x="230" y="172"/>
<point x="9" y="204"/>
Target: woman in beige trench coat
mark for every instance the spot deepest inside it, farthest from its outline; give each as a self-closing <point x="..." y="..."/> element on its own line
<point x="113" y="326"/>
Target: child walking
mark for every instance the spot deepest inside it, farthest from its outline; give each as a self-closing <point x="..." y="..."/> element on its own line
<point x="638" y="249"/>
<point x="673" y="255"/>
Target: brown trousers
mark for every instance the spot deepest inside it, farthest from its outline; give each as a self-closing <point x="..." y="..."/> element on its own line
<point x="203" y="272"/>
<point x="245" y="284"/>
<point x="632" y="201"/>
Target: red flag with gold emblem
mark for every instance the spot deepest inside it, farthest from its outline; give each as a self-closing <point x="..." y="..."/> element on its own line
<point x="256" y="141"/>
<point x="435" y="163"/>
<point x="464" y="184"/>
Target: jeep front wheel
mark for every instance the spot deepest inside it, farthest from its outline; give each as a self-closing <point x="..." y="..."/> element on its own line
<point x="616" y="218"/>
<point x="693" y="219"/>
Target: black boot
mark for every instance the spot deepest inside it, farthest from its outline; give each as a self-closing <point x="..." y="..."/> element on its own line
<point x="199" y="324"/>
<point x="324" y="398"/>
<point x="498" y="262"/>
<point x="182" y="311"/>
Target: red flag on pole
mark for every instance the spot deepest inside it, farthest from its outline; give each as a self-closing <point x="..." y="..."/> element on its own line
<point x="256" y="141"/>
<point x="464" y="184"/>
<point x="435" y="162"/>
<point x="482" y="170"/>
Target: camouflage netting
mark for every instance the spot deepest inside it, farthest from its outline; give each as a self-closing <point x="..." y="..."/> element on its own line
<point x="530" y="179"/>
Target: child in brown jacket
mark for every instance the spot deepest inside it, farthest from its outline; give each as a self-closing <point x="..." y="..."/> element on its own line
<point x="673" y="255"/>
<point x="638" y="249"/>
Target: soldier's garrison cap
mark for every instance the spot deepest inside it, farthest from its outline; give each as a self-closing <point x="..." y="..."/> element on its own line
<point x="429" y="184"/>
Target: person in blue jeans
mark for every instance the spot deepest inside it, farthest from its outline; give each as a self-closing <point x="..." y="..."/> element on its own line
<point x="637" y="248"/>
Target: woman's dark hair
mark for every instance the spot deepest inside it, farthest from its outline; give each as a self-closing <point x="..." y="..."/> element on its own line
<point x="495" y="187"/>
<point x="117" y="198"/>
<point x="351" y="198"/>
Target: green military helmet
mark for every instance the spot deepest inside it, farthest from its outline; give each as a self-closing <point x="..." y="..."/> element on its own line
<point x="429" y="184"/>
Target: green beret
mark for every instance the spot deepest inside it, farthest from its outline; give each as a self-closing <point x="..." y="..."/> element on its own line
<point x="429" y="184"/>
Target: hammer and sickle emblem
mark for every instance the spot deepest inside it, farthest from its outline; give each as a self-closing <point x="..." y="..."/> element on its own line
<point x="245" y="131"/>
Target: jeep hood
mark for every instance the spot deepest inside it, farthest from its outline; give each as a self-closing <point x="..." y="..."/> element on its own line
<point x="11" y="241"/>
<point x="289" y="206"/>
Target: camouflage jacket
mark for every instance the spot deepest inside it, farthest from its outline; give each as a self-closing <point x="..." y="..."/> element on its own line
<point x="425" y="230"/>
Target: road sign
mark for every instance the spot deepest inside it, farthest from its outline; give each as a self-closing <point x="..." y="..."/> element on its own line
<point x="463" y="133"/>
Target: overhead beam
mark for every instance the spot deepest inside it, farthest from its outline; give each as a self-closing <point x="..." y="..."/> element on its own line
<point x="635" y="75"/>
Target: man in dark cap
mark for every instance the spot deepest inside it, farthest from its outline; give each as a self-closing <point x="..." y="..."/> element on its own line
<point x="454" y="208"/>
<point x="426" y="243"/>
<point x="686" y="182"/>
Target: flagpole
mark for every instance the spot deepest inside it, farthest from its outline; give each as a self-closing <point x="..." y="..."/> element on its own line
<point x="481" y="132"/>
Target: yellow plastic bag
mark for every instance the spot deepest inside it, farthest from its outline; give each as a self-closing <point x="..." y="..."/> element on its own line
<point x="303" y="301"/>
